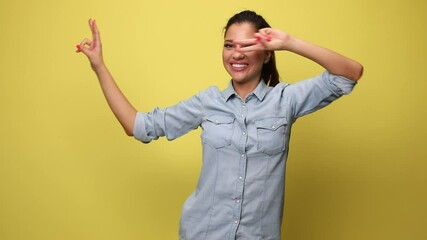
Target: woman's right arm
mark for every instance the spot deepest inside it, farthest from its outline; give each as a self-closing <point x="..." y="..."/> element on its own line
<point x="121" y="107"/>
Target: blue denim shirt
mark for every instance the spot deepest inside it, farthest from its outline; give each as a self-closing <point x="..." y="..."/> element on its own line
<point x="240" y="191"/>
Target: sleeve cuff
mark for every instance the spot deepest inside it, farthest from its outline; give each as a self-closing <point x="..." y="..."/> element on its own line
<point x="342" y="85"/>
<point x="139" y="131"/>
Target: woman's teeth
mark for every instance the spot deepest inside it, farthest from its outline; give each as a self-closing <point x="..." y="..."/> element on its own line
<point x="239" y="65"/>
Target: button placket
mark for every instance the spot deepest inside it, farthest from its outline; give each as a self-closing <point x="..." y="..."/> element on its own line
<point x="240" y="184"/>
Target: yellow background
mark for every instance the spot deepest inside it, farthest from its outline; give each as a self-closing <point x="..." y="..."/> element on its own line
<point x="357" y="169"/>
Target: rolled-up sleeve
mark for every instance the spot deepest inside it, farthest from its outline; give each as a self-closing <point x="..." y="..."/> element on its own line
<point x="139" y="128"/>
<point x="170" y="122"/>
<point x="149" y="126"/>
<point x="339" y="84"/>
<point x="315" y="93"/>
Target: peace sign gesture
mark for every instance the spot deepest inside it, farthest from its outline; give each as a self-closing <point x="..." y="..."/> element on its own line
<point x="269" y="39"/>
<point x="265" y="39"/>
<point x="92" y="48"/>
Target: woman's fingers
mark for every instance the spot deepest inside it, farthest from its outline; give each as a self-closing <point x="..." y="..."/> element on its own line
<point x="95" y="32"/>
<point x="262" y="41"/>
<point x="250" y="48"/>
<point x="92" y="47"/>
<point x="252" y="44"/>
<point x="265" y="39"/>
<point x="88" y="45"/>
<point x="86" y="42"/>
<point x="85" y="46"/>
<point x="265" y="31"/>
<point x="245" y="42"/>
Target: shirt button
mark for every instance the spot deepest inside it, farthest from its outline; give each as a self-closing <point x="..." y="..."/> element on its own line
<point x="273" y="127"/>
<point x="236" y="222"/>
<point x="243" y="106"/>
<point x="243" y="155"/>
<point x="240" y="178"/>
<point x="237" y="201"/>
<point x="244" y="133"/>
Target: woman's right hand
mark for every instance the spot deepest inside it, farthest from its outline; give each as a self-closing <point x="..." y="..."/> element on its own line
<point x="92" y="48"/>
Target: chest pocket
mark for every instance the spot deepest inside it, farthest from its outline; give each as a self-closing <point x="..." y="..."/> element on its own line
<point x="271" y="134"/>
<point x="218" y="130"/>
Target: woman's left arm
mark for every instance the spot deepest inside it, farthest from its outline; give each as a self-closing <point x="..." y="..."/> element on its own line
<point x="273" y="39"/>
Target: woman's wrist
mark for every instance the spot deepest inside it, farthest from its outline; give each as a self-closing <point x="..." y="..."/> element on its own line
<point x="292" y="44"/>
<point x="99" y="67"/>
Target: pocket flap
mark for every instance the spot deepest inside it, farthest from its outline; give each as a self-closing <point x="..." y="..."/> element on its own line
<point x="220" y="119"/>
<point x="271" y="123"/>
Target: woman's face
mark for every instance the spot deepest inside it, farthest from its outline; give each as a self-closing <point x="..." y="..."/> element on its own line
<point x="243" y="67"/>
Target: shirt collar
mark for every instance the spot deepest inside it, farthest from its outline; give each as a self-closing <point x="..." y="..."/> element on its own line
<point x="260" y="91"/>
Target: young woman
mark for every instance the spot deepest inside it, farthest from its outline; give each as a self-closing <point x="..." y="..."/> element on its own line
<point x="246" y="127"/>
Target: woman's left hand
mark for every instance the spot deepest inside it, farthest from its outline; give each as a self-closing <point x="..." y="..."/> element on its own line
<point x="265" y="39"/>
<point x="269" y="39"/>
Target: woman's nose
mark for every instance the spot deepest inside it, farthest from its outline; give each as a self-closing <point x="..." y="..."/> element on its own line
<point x="238" y="54"/>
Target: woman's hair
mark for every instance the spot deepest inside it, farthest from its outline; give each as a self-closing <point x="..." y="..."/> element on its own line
<point x="269" y="72"/>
